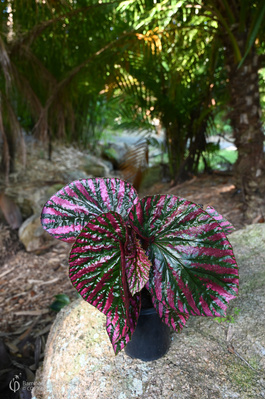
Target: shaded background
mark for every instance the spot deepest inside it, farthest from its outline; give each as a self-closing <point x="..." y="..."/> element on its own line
<point x="166" y="94"/>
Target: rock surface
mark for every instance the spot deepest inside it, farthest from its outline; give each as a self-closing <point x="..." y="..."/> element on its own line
<point x="209" y="359"/>
<point x="33" y="236"/>
<point x="94" y="166"/>
<point x="32" y="187"/>
<point x="115" y="153"/>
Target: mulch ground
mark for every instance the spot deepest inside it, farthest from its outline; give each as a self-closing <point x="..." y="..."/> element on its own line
<point x="29" y="281"/>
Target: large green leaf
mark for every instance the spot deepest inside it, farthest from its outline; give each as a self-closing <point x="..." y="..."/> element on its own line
<point x="69" y="210"/>
<point x="98" y="272"/>
<point x="193" y="266"/>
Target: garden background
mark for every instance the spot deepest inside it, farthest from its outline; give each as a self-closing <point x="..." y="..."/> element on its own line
<point x="168" y="95"/>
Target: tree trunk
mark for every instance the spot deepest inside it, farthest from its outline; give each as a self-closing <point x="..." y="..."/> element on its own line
<point x="176" y="146"/>
<point x="8" y="153"/>
<point x="245" y="115"/>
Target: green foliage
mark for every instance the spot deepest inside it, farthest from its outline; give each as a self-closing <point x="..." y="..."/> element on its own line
<point x="215" y="159"/>
<point x="229" y="318"/>
<point x="49" y="82"/>
<point x="121" y="244"/>
<point x="70" y="69"/>
<point x="177" y="73"/>
<point x="61" y="301"/>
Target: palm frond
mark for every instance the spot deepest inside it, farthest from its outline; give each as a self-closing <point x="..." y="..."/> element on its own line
<point x="135" y="164"/>
<point x="28" y="37"/>
<point x="25" y="89"/>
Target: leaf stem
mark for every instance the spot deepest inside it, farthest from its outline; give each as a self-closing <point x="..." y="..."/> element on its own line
<point x="125" y="287"/>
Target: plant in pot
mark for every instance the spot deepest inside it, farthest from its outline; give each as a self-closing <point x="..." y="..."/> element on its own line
<point x="125" y="248"/>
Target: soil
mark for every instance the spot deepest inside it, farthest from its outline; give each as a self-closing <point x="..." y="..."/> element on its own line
<point x="29" y="282"/>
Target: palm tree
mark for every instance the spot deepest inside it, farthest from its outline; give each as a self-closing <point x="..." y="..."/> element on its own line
<point x="235" y="31"/>
<point x="164" y="59"/>
<point x="241" y="32"/>
<point x="160" y="75"/>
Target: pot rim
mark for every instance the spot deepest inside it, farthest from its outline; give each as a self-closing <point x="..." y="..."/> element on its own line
<point x="147" y="311"/>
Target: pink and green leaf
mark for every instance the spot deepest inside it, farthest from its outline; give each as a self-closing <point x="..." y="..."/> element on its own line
<point x="119" y="330"/>
<point x="69" y="210"/>
<point x="226" y="226"/>
<point x="97" y="271"/>
<point x="137" y="264"/>
<point x="194" y="270"/>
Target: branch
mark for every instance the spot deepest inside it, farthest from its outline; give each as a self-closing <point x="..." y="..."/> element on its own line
<point x="38" y="29"/>
<point x="73" y="73"/>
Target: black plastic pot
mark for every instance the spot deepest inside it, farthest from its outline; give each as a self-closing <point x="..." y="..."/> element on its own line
<point x="151" y="338"/>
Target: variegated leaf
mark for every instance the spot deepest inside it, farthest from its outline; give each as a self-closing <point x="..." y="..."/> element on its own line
<point x="137" y="264"/>
<point x="226" y="226"/>
<point x="120" y="330"/>
<point x="97" y="271"/>
<point x="193" y="270"/>
<point x="69" y="210"/>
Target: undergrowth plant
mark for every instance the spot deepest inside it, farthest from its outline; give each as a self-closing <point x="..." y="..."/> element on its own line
<point x="229" y="318"/>
<point x="174" y="248"/>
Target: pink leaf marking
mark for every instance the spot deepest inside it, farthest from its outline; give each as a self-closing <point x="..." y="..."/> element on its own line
<point x="224" y="224"/>
<point x="98" y="272"/>
<point x="194" y="270"/>
<point x="68" y="211"/>
<point x="137" y="264"/>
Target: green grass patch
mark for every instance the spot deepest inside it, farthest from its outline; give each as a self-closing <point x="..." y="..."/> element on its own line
<point x="221" y="160"/>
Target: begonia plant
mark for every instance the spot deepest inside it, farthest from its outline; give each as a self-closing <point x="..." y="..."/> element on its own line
<point x="171" y="246"/>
